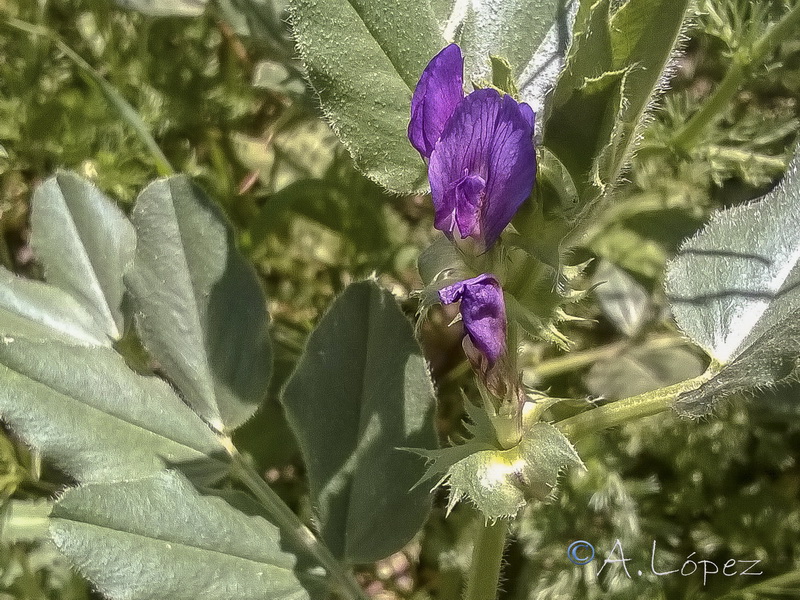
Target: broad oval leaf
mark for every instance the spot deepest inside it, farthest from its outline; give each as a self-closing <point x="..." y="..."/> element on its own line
<point x="97" y="420"/>
<point x="735" y="291"/>
<point x="363" y="59"/>
<point x="201" y="311"/>
<point x="40" y="311"/>
<point x="85" y="244"/>
<point x="360" y="393"/>
<point x="739" y="275"/>
<point x="159" y="538"/>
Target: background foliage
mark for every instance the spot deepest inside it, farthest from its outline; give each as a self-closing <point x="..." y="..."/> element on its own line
<point x="233" y="112"/>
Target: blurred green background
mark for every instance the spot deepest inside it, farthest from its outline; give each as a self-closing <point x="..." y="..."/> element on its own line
<point x="223" y="97"/>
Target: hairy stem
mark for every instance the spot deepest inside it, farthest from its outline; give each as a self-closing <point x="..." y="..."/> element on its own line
<point x="743" y="61"/>
<point x="487" y="560"/>
<point x="629" y="409"/>
<point x="341" y="581"/>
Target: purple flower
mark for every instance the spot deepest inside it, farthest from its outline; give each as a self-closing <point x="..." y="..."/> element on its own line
<point x="483" y="312"/>
<point x="436" y="96"/>
<point x="482" y="163"/>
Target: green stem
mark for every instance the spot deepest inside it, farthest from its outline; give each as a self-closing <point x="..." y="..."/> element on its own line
<point x="116" y="99"/>
<point x="743" y="60"/>
<point x="342" y="582"/>
<point x="629" y="409"/>
<point x="25" y="520"/>
<point x="487" y="561"/>
<point x="574" y="361"/>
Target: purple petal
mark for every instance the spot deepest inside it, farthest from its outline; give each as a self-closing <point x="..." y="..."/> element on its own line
<point x="440" y="89"/>
<point x="528" y="113"/>
<point x="483" y="312"/>
<point x="468" y="192"/>
<point x="490" y="137"/>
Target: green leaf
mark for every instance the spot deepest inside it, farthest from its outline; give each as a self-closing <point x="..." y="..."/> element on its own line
<point x="771" y="359"/>
<point x="644" y="38"/>
<point x="739" y="275"/>
<point x="85" y="244"/>
<point x="580" y="126"/>
<point x="615" y="68"/>
<point x="531" y="35"/>
<point x="166" y="8"/>
<point x="623" y="300"/>
<point x="360" y="393"/>
<point x="500" y="482"/>
<point x="363" y="59"/>
<point x="201" y="311"/>
<point x="97" y="420"/>
<point x="734" y="290"/>
<point x="502" y="77"/>
<point x="39" y="311"/>
<point x="539" y="76"/>
<point x="590" y="54"/>
<point x="159" y="538"/>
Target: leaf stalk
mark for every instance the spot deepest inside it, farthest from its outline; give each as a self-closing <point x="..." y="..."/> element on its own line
<point x="629" y="409"/>
<point x="341" y="580"/>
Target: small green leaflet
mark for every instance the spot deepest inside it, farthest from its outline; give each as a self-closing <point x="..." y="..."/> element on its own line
<point x="735" y="291"/>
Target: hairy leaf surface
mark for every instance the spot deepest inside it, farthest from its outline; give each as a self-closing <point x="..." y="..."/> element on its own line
<point x="159" y="538"/>
<point x="734" y="291"/>
<point x="201" y="311"/>
<point x="85" y="244"/>
<point x="97" y="420"/>
<point x="40" y="311"/>
<point x="361" y="392"/>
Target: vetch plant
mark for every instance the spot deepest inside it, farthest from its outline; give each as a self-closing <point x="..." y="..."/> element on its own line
<point x="147" y="344"/>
